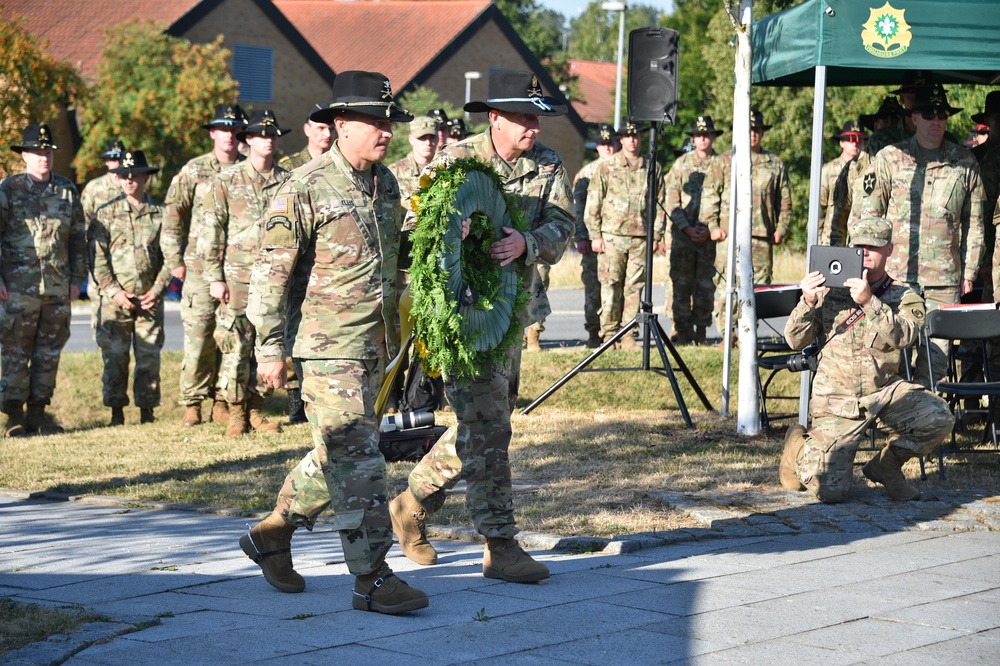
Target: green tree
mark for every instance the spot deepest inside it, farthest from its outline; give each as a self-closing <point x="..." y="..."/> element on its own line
<point x="541" y="29"/>
<point x="594" y="33"/>
<point x="420" y="100"/>
<point x="34" y="87"/>
<point x="153" y="90"/>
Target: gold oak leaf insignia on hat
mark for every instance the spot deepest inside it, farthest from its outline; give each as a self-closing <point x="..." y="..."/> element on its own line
<point x="535" y="90"/>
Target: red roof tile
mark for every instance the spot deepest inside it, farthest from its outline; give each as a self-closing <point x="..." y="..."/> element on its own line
<point x="75" y="28"/>
<point x="395" y="37"/>
<point x="595" y="89"/>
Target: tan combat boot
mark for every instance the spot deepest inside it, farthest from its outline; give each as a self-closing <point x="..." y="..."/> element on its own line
<point x="269" y="544"/>
<point x="506" y="560"/>
<point x="192" y="416"/>
<point x="237" y="420"/>
<point x="382" y="591"/>
<point x="887" y="468"/>
<point x="531" y="337"/>
<point x="14" y="409"/>
<point x="629" y="343"/>
<point x="220" y="411"/>
<point x="117" y="417"/>
<point x="788" y="472"/>
<point x="40" y="422"/>
<point x="258" y="421"/>
<point x="408" y="524"/>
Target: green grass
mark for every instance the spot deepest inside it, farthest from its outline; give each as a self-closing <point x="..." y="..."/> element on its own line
<point x="22" y="624"/>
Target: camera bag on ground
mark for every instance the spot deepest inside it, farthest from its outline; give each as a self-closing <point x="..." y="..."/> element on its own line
<point x="410" y="444"/>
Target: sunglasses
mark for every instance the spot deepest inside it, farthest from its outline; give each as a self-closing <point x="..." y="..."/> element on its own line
<point x="930" y="115"/>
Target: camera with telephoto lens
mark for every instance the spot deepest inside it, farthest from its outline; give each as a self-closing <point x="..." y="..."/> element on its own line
<point x="406" y="420"/>
<point x="807" y="359"/>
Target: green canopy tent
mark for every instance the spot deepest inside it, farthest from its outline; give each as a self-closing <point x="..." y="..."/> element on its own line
<point x="856" y="43"/>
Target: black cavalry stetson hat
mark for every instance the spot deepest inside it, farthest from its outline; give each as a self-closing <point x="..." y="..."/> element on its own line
<point x="605" y="133"/>
<point x="629" y="127"/>
<point x="914" y="80"/>
<point x="686" y="147"/>
<point x="227" y="116"/>
<point x="262" y="123"/>
<point x="133" y="162"/>
<point x="456" y="128"/>
<point x="757" y="120"/>
<point x="992" y="106"/>
<point x="36" y="137"/>
<point x="890" y="108"/>
<point x="517" y="91"/>
<point x="703" y="125"/>
<point x="114" y="150"/>
<point x="368" y="93"/>
<point x="439" y="115"/>
<point x="852" y="132"/>
<point x="933" y="99"/>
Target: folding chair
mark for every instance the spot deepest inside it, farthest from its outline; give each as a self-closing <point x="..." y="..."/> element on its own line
<point x="773" y="352"/>
<point x="964" y="323"/>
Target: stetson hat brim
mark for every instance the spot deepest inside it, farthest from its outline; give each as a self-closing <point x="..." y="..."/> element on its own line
<point x="268" y="130"/>
<point x="124" y="171"/>
<point x="536" y="106"/>
<point x="379" y="110"/>
<point x="716" y="132"/>
<point x="947" y="108"/>
<point x="39" y="147"/>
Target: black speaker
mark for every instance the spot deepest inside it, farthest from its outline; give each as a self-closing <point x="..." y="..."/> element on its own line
<point x="652" y="74"/>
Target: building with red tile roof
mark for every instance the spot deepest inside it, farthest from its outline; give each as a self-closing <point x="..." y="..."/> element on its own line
<point x="595" y="85"/>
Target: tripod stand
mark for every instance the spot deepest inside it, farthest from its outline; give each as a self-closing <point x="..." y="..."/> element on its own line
<point x="652" y="331"/>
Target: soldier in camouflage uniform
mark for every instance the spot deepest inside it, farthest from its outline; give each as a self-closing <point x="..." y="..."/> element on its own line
<point x="863" y="329"/>
<point x="129" y="270"/>
<point x="616" y="221"/>
<point x="477" y="449"/>
<point x="930" y="191"/>
<point x="456" y="131"/>
<point x="852" y="141"/>
<point x="43" y="262"/>
<point x="232" y="222"/>
<point x="607" y="144"/>
<point x="424" y="141"/>
<point x="200" y="367"/>
<point x="692" y="251"/>
<point x="319" y="138"/>
<point x="772" y="201"/>
<point x="889" y="113"/>
<point x="336" y="223"/>
<point x="95" y="194"/>
<point x="714" y="214"/>
<point x="441" y="118"/>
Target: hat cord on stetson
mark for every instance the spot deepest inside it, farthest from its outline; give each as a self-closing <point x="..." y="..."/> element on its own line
<point x="389" y="106"/>
<point x="532" y="100"/>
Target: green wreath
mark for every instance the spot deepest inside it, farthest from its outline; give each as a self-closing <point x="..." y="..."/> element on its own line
<point x="466" y="306"/>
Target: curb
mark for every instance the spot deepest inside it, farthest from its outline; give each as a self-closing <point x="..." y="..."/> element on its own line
<point x="60" y="647"/>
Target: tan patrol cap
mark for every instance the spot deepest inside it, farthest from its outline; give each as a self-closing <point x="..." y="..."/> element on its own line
<point x="872" y="232"/>
<point x="422" y="126"/>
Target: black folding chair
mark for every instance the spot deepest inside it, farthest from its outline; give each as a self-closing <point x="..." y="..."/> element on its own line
<point x="964" y="324"/>
<point x="773" y="352"/>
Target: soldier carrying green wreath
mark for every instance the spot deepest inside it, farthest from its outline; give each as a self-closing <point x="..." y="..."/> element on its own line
<point x="477" y="449"/>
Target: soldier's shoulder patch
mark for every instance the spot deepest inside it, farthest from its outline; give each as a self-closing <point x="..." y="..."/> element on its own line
<point x="868" y="181"/>
<point x="279" y="205"/>
<point x="278" y="231"/>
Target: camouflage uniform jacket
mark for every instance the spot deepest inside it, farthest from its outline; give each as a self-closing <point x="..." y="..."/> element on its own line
<point x="125" y="247"/>
<point x="295" y="160"/>
<point x="98" y="192"/>
<point x="538" y="179"/>
<point x="856" y="364"/>
<point x="772" y="196"/>
<point x="233" y="222"/>
<point x="714" y="209"/>
<point x="828" y="176"/>
<point x="616" y="199"/>
<point x="325" y="230"/>
<point x="184" y="200"/>
<point x="580" y="184"/>
<point x="407" y="174"/>
<point x="935" y="208"/>
<point x="43" y="237"/>
<point x="683" y="186"/>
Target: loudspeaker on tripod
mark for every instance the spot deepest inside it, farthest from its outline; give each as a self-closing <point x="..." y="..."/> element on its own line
<point x="652" y="74"/>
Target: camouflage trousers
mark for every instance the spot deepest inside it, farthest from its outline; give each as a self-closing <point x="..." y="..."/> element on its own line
<point x="916" y="420"/>
<point x="33" y="331"/>
<point x="235" y="337"/>
<point x="200" y="365"/>
<point x="476" y="451"/>
<point x="762" y="256"/>
<point x="934" y="298"/>
<point x="591" y="292"/>
<point x="692" y="274"/>
<point x="293" y="371"/>
<point x="622" y="271"/>
<point x="118" y="331"/>
<point x="762" y="253"/>
<point x="345" y="471"/>
<point x="543" y="274"/>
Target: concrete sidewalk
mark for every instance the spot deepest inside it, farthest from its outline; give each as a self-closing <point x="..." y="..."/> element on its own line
<point x="178" y="584"/>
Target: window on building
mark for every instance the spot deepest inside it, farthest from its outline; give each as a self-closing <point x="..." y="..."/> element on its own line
<point x="253" y="67"/>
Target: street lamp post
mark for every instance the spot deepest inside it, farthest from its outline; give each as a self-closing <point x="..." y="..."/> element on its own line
<point x="469" y="78"/>
<point x="618" y="7"/>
